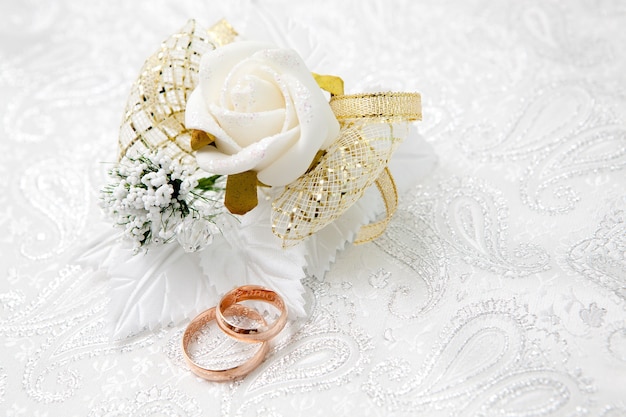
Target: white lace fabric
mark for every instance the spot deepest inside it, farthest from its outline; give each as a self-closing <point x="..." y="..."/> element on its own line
<point x="499" y="288"/>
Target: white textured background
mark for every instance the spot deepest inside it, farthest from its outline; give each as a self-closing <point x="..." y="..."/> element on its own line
<point x="499" y="288"/>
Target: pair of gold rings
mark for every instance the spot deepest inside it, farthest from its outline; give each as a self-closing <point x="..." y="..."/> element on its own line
<point x="229" y="307"/>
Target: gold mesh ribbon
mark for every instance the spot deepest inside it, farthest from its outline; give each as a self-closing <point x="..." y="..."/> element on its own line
<point x="155" y="112"/>
<point x="356" y="160"/>
<point x="389" y="107"/>
<point x="387" y="189"/>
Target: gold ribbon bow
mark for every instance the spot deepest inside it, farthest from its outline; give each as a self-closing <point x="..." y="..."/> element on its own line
<point x="356" y="160"/>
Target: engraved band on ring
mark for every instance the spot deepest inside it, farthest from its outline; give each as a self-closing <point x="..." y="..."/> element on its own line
<point x="256" y="293"/>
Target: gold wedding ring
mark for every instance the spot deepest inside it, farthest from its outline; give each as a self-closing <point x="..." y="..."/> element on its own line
<point x="229" y="306"/>
<point x="256" y="293"/>
<point x="198" y="323"/>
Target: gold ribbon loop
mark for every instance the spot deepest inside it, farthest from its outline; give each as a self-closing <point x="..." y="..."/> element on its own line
<point x="387" y="188"/>
<point x="356" y="160"/>
<point x="386" y="106"/>
<point x="155" y="112"/>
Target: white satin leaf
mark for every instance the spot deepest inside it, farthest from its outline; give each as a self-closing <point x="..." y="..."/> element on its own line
<point x="161" y="287"/>
<point x="248" y="253"/>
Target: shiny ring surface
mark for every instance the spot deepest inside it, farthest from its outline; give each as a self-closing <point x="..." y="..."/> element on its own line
<point x="256" y="293"/>
<point x="226" y="374"/>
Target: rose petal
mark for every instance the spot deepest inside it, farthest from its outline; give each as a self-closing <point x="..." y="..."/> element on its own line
<point x="252" y="94"/>
<point x="218" y="63"/>
<point x="256" y="156"/>
<point x="318" y="124"/>
<point x="291" y="117"/>
<point x="210" y="159"/>
<point x="248" y="127"/>
<point x="197" y="116"/>
<point x="269" y="72"/>
<point x="259" y="67"/>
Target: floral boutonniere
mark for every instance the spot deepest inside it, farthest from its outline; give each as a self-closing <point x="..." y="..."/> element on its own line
<point x="236" y="147"/>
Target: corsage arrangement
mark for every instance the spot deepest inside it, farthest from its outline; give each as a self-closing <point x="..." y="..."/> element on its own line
<point x="239" y="166"/>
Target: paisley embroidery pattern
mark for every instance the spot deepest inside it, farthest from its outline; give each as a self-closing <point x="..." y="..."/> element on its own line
<point x="415" y="244"/>
<point x="602" y="258"/>
<point x="538" y="125"/>
<point x="616" y="341"/>
<point x="550" y="34"/>
<point x="70" y="314"/>
<point x="547" y="132"/>
<point x="156" y="400"/>
<point x="62" y="196"/>
<point x="488" y="361"/>
<point x="472" y="218"/>
<point x="3" y="385"/>
<point x="546" y="184"/>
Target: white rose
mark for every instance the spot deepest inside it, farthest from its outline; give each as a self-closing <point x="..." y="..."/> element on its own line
<point x="264" y="109"/>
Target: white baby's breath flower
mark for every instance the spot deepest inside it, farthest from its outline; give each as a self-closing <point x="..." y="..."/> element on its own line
<point x="151" y="196"/>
